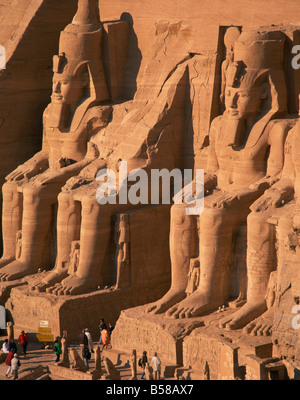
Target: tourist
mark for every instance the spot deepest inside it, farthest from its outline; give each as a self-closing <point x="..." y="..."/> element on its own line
<point x="5" y="346"/>
<point x="90" y="340"/>
<point x="9" y="357"/>
<point x="142" y="363"/>
<point x="15" y="365"/>
<point x="101" y="326"/>
<point x="110" y="328"/>
<point x="57" y="349"/>
<point x="105" y="338"/>
<point x="83" y="339"/>
<point x="12" y="346"/>
<point x="86" y="354"/>
<point x="156" y="364"/>
<point x="23" y="341"/>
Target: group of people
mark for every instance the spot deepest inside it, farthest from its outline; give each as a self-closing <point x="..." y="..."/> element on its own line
<point x="86" y="341"/>
<point x="10" y="348"/>
<point x="155" y="363"/>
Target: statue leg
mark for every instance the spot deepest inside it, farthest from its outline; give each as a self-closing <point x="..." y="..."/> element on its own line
<point x="217" y="226"/>
<point x="68" y="229"/>
<point x="95" y="235"/>
<point x="11" y="221"/>
<point x="261" y="260"/>
<point x="36" y="224"/>
<point x="264" y="323"/>
<point x="183" y="236"/>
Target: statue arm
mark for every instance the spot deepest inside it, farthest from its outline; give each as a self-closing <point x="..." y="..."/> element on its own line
<point x="77" y="170"/>
<point x="35" y="165"/>
<point x="279" y="189"/>
<point x="280" y="169"/>
<point x="211" y="172"/>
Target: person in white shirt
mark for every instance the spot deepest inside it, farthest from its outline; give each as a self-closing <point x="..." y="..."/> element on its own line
<point x="5" y="346"/>
<point x="156" y="364"/>
<point x="15" y="365"/>
<point x="90" y="340"/>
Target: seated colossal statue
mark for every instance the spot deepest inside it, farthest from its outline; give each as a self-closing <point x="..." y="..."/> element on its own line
<point x="76" y="113"/>
<point x="246" y="156"/>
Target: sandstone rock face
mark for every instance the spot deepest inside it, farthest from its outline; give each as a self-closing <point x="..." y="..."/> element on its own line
<point x="171" y="86"/>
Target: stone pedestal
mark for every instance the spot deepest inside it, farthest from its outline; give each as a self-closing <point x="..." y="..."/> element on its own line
<point x="74" y="313"/>
<point x="195" y="343"/>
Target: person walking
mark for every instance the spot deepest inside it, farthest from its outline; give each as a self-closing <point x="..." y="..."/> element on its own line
<point x="9" y="357"/>
<point x="12" y="346"/>
<point x="83" y="339"/>
<point x="86" y="354"/>
<point x="57" y="349"/>
<point x="23" y="341"/>
<point x="90" y="340"/>
<point x="142" y="363"/>
<point x="156" y="365"/>
<point x="101" y="327"/>
<point x="110" y="328"/>
<point x="15" y="365"/>
<point x="105" y="338"/>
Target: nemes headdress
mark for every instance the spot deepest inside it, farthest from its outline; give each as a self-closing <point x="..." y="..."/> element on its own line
<point x="80" y="48"/>
<point x="258" y="60"/>
<point x="259" y="55"/>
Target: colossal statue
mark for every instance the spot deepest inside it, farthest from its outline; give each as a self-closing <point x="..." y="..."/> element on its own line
<point x="246" y="154"/>
<point x="146" y="134"/>
<point x="274" y="216"/>
<point x="71" y="119"/>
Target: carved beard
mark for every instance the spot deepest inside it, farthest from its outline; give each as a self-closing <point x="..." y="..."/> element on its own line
<point x="59" y="116"/>
<point x="233" y="131"/>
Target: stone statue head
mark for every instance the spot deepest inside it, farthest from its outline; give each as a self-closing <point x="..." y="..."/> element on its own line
<point x="78" y="80"/>
<point x="255" y="82"/>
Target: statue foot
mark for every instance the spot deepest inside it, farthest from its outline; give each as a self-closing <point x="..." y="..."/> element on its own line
<point x="261" y="326"/>
<point x="194" y="305"/>
<point x="250" y="311"/>
<point x="73" y="285"/>
<point x="16" y="270"/>
<point x="49" y="280"/>
<point x="171" y="298"/>
<point x="5" y="261"/>
<point x="237" y="303"/>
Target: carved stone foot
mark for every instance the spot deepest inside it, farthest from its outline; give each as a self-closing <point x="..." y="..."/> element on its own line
<point x="244" y="316"/>
<point x="49" y="280"/>
<point x="73" y="285"/>
<point x="171" y="298"/>
<point x="194" y="305"/>
<point x="261" y="326"/>
<point x="16" y="270"/>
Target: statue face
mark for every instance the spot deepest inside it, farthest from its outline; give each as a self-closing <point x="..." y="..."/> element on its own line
<point x="67" y="89"/>
<point x="242" y="102"/>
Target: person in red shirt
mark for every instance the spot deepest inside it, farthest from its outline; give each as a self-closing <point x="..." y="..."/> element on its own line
<point x="23" y="341"/>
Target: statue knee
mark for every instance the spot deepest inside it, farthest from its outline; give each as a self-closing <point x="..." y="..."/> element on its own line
<point x="32" y="194"/>
<point x="9" y="192"/>
<point x="65" y="200"/>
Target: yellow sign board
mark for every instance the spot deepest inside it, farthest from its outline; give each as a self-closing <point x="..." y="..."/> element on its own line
<point x="41" y="337"/>
<point x="44" y="330"/>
